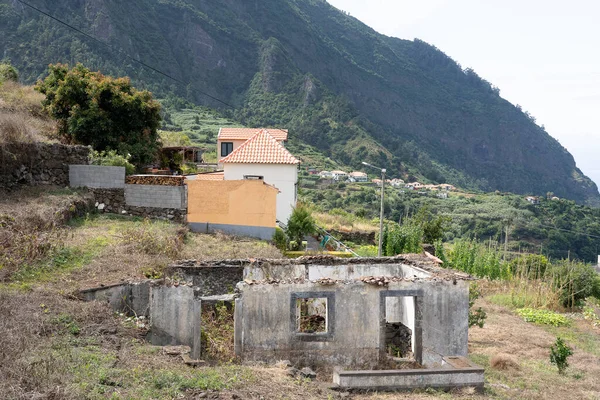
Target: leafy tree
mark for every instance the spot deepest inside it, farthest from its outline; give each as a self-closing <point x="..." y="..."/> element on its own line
<point x="174" y="139"/>
<point x="301" y="223"/>
<point x="8" y="73"/>
<point x="106" y="113"/>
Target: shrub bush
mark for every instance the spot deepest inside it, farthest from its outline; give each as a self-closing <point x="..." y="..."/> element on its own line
<point x="112" y="158"/>
<point x="559" y="352"/>
<point x="280" y="239"/>
<point x="301" y="223"/>
<point x="476" y="317"/>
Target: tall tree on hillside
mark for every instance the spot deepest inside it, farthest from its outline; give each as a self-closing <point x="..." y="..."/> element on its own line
<point x="104" y="112"/>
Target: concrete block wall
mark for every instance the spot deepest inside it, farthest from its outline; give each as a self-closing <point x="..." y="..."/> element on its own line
<point x="156" y="196"/>
<point x="96" y="176"/>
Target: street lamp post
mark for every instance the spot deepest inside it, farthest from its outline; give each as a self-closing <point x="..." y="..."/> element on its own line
<point x="379" y="250"/>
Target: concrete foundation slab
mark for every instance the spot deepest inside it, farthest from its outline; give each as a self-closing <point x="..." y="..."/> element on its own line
<point x="445" y="378"/>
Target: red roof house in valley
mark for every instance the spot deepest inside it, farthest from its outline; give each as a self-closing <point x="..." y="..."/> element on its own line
<point x="261" y="148"/>
<point x="230" y="139"/>
<point x="263" y="157"/>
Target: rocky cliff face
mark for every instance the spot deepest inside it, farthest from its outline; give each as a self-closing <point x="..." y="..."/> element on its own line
<point x="337" y="84"/>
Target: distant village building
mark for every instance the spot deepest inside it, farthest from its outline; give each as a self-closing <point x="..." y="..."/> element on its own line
<point x="413" y="185"/>
<point x="358" y="176"/>
<point x="339" y="175"/>
<point x="532" y="199"/>
<point x="396" y="182"/>
<point x="326" y="175"/>
<point x="446" y="186"/>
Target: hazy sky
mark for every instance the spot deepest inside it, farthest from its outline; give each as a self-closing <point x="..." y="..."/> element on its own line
<point x="543" y="55"/>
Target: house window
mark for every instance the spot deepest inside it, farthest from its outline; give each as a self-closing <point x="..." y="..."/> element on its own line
<point x="254" y="177"/>
<point x="312" y="316"/>
<point x="226" y="148"/>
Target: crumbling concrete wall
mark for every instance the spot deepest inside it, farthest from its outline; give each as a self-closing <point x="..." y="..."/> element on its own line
<point x="209" y="278"/>
<point x="174" y="316"/>
<point x="357" y="323"/>
<point x="264" y="319"/>
<point x="129" y="298"/>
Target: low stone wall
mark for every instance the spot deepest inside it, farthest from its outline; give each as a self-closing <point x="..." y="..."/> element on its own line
<point x="36" y="164"/>
<point x="113" y="201"/>
<point x="96" y="176"/>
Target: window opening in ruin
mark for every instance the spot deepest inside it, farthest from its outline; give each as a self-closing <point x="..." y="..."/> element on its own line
<point x="311" y="315"/>
<point x="400" y="327"/>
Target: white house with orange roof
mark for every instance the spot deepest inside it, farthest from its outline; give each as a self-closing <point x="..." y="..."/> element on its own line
<point x="263" y="157"/>
<point x="230" y="139"/>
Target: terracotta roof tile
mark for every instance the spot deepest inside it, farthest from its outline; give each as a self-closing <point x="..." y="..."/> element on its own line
<point x="213" y="176"/>
<point x="261" y="148"/>
<point x="247" y="133"/>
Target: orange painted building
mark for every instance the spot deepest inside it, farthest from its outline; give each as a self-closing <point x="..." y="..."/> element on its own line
<point x="236" y="207"/>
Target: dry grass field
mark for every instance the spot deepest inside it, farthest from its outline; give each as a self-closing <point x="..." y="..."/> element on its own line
<point x="54" y="346"/>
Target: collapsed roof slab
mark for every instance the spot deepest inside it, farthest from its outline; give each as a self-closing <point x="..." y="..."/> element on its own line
<point x="204" y="274"/>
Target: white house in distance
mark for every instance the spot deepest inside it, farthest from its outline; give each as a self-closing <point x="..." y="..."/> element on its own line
<point x="263" y="157"/>
<point x="358" y="176"/>
<point x="230" y="139"/>
<point x="339" y="175"/>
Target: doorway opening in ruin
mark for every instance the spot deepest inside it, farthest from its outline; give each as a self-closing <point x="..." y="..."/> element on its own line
<point x="400" y="336"/>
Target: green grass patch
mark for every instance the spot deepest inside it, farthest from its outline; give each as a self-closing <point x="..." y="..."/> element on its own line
<point x="94" y="374"/>
<point x="543" y="317"/>
<point x="583" y="340"/>
<point x="61" y="260"/>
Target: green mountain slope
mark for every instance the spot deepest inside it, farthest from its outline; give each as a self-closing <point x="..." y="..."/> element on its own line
<point x="337" y="84"/>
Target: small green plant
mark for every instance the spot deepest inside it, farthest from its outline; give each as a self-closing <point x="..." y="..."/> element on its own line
<point x="67" y="322"/>
<point x="589" y="314"/>
<point x="543" y="317"/>
<point x="300" y="224"/>
<point x="559" y="352"/>
<point x="112" y="158"/>
<point x="476" y="317"/>
<point x="280" y="239"/>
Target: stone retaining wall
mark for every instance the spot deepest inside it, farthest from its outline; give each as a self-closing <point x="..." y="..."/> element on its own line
<point x="113" y="201"/>
<point x="35" y="164"/>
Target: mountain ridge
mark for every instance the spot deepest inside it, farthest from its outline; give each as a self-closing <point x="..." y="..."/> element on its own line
<point x="337" y="84"/>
